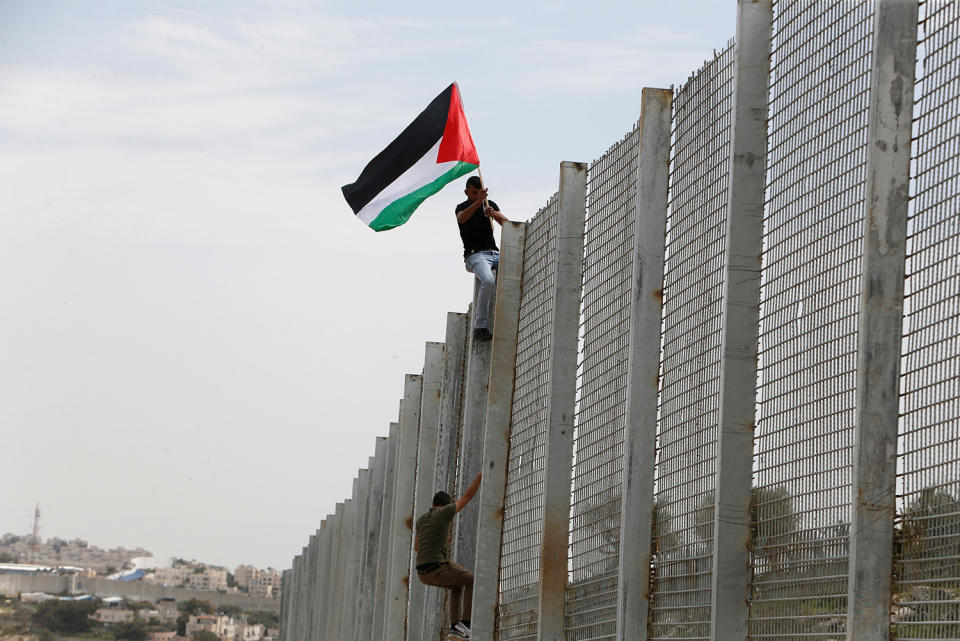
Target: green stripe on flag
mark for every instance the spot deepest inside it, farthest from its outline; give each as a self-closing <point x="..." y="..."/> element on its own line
<point x="400" y="210"/>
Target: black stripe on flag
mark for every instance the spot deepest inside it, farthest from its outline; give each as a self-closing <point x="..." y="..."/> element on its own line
<point x="401" y="154"/>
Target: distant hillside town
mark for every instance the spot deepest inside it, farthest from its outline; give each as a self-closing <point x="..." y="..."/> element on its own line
<point x="125" y="564"/>
<point x="38" y="616"/>
<point x="17" y="548"/>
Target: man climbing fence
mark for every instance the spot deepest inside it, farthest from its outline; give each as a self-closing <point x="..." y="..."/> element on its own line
<point x="434" y="566"/>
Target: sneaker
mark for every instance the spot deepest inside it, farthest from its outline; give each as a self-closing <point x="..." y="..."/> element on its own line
<point x="482" y="334"/>
<point x="463" y="628"/>
<point x="454" y="633"/>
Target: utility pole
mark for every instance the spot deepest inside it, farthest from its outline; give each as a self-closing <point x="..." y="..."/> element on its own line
<point x="35" y="541"/>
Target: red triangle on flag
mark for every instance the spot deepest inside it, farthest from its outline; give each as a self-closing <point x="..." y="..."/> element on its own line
<point x="457" y="143"/>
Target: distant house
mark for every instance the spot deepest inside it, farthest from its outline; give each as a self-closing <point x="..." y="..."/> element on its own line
<point x="168" y="611"/>
<point x="221" y="625"/>
<point x="113" y="615"/>
<point x="246" y="632"/>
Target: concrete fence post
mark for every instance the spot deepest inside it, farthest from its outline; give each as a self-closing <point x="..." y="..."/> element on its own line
<point x="383" y="553"/>
<point x="643" y="364"/>
<point x="562" y="373"/>
<point x="426" y="472"/>
<point x="351" y="600"/>
<point x="284" y="634"/>
<point x="331" y="628"/>
<point x="314" y="582"/>
<point x="342" y="607"/>
<point x="285" y="605"/>
<point x="741" y="323"/>
<point x="401" y="527"/>
<point x="448" y="439"/>
<point x="304" y="623"/>
<point x="362" y="543"/>
<point x="451" y="403"/>
<point x="471" y="438"/>
<point x="302" y="620"/>
<point x="390" y="545"/>
<point x="344" y="597"/>
<point x="309" y="574"/>
<point x="305" y="600"/>
<point x="496" y="441"/>
<point x="299" y="606"/>
<point x="368" y="583"/>
<point x="294" y="631"/>
<point x="323" y="594"/>
<point x="892" y="80"/>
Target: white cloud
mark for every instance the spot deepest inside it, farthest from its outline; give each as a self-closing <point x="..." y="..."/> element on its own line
<point x="165" y="29"/>
<point x="186" y="272"/>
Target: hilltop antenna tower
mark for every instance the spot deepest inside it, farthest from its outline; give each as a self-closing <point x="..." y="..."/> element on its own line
<point x="35" y="541"/>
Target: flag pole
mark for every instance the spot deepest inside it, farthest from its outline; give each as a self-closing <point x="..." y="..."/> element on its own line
<point x="480" y="174"/>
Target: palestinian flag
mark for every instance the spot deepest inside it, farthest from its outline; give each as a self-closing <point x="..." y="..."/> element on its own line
<point x="433" y="150"/>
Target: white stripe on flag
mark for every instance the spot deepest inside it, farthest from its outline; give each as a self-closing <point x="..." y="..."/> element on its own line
<point x="423" y="172"/>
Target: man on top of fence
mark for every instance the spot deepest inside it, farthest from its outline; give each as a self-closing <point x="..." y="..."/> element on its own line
<point x="481" y="257"/>
<point x="434" y="566"/>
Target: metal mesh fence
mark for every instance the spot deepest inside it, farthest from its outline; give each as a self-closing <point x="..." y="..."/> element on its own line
<point x="689" y="393"/>
<point x="523" y="504"/>
<point x="819" y="90"/>
<point x="601" y="403"/>
<point x="927" y="535"/>
<point x="810" y="289"/>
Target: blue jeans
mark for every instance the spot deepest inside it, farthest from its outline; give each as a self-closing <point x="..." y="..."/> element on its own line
<point x="482" y="265"/>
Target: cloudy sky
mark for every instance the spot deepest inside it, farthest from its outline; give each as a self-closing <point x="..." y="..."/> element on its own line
<point x="199" y="342"/>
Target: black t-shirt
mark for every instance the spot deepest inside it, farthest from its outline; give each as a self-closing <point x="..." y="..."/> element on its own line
<point x="477" y="232"/>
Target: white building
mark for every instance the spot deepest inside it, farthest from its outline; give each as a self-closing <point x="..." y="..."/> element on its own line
<point x="209" y="579"/>
<point x="247" y="632"/>
<point x="259" y="582"/>
<point x="221" y="625"/>
<point x="170" y="576"/>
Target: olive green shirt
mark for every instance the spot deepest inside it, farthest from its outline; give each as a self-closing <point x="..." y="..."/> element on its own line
<point x="433" y="532"/>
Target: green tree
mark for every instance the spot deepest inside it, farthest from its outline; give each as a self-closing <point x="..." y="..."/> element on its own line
<point x="195" y="606"/>
<point x="664" y="538"/>
<point x="47" y="635"/>
<point x="6" y="557"/>
<point x="191" y="607"/>
<point x="66" y="617"/>
<point x="205" y="635"/>
<point x="129" y="631"/>
<point x="182" y="621"/>
<point x="929" y="532"/>
<point x="773" y="522"/>
<point x="703" y="517"/>
<point x="15" y="618"/>
<point x="266" y="619"/>
<point x="231" y="580"/>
